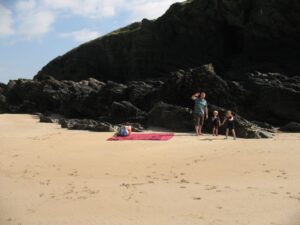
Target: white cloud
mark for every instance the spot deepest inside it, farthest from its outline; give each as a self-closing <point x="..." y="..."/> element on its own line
<point x="85" y="8"/>
<point x="137" y="9"/>
<point x="35" y="24"/>
<point x="35" y="18"/>
<point x="25" y="5"/>
<point x="6" y="22"/>
<point x="81" y="35"/>
<point x="149" y="9"/>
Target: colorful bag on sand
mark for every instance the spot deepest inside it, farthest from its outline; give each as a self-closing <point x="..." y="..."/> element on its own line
<point x="123" y="132"/>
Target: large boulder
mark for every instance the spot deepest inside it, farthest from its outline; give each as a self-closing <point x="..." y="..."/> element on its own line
<point x="126" y="112"/>
<point x="291" y="127"/>
<point x="3" y="104"/>
<point x="182" y="84"/>
<point x="273" y="98"/>
<point x="142" y="94"/>
<point x="171" y="117"/>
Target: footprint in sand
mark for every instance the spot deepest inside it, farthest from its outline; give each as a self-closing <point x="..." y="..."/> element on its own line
<point x="294" y="197"/>
<point x="82" y="197"/>
<point x="30" y="210"/>
<point x="219" y="207"/>
<point x="184" y="181"/>
<point x="210" y="187"/>
<point x="197" y="198"/>
<point x="182" y="187"/>
<point x="74" y="173"/>
<point x="46" y="182"/>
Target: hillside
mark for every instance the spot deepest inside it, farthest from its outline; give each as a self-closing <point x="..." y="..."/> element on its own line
<point x="234" y="36"/>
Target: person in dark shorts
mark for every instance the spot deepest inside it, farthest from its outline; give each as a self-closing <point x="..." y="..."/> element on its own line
<point x="229" y="122"/>
<point x="216" y="123"/>
<point x="200" y="111"/>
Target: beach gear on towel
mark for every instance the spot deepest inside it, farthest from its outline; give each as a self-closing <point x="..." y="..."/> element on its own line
<point x="144" y="136"/>
<point x="124" y="131"/>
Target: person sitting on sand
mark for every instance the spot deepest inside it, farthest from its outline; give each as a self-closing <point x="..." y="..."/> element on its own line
<point x="200" y="111"/>
<point x="229" y="120"/>
<point x="216" y="123"/>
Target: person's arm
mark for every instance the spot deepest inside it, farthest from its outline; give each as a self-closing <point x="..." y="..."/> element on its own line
<point x="194" y="96"/>
<point x="206" y="112"/>
<point x="224" y="121"/>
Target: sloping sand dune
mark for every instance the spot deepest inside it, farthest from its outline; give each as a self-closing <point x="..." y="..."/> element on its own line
<point x="52" y="176"/>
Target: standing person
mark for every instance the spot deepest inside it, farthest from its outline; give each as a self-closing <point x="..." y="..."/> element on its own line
<point x="229" y="120"/>
<point x="216" y="123"/>
<point x="200" y="111"/>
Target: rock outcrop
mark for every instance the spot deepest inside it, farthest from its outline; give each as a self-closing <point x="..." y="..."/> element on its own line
<point x="291" y="127"/>
<point x="239" y="35"/>
<point x="263" y="98"/>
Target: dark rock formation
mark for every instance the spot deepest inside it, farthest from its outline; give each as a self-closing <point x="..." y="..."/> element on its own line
<point x="241" y="35"/>
<point x="3" y="105"/>
<point x="291" y="127"/>
<point x="269" y="97"/>
<point x="94" y="125"/>
<point x="273" y="98"/>
<point x="181" y="85"/>
<point x="126" y="112"/>
<point x="85" y="124"/>
<point x="45" y="119"/>
<point x="172" y="117"/>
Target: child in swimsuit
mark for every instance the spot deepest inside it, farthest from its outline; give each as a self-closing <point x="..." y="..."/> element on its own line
<point x="229" y="121"/>
<point x="216" y="123"/>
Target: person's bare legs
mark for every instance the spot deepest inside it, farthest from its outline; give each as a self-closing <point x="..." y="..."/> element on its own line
<point x="197" y="130"/>
<point x="200" y="130"/>
<point x="216" y="131"/>
<point x="233" y="134"/>
<point x="227" y="131"/>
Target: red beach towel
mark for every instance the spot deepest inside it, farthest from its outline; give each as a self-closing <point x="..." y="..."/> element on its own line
<point x="144" y="136"/>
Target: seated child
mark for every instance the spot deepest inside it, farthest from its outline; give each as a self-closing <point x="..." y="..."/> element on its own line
<point x="216" y="123"/>
<point x="229" y="120"/>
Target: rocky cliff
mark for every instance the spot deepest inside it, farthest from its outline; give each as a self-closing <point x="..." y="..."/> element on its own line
<point x="236" y="36"/>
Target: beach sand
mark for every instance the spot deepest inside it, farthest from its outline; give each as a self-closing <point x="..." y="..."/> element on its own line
<point x="53" y="176"/>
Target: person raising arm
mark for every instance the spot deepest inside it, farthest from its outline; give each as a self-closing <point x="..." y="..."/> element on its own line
<point x="200" y="111"/>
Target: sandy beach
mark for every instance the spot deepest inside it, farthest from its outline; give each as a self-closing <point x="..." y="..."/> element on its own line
<point x="53" y="176"/>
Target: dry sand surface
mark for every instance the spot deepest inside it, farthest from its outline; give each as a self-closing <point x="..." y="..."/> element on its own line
<point x="52" y="176"/>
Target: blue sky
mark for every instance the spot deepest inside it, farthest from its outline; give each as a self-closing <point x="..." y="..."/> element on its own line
<point x="32" y="32"/>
